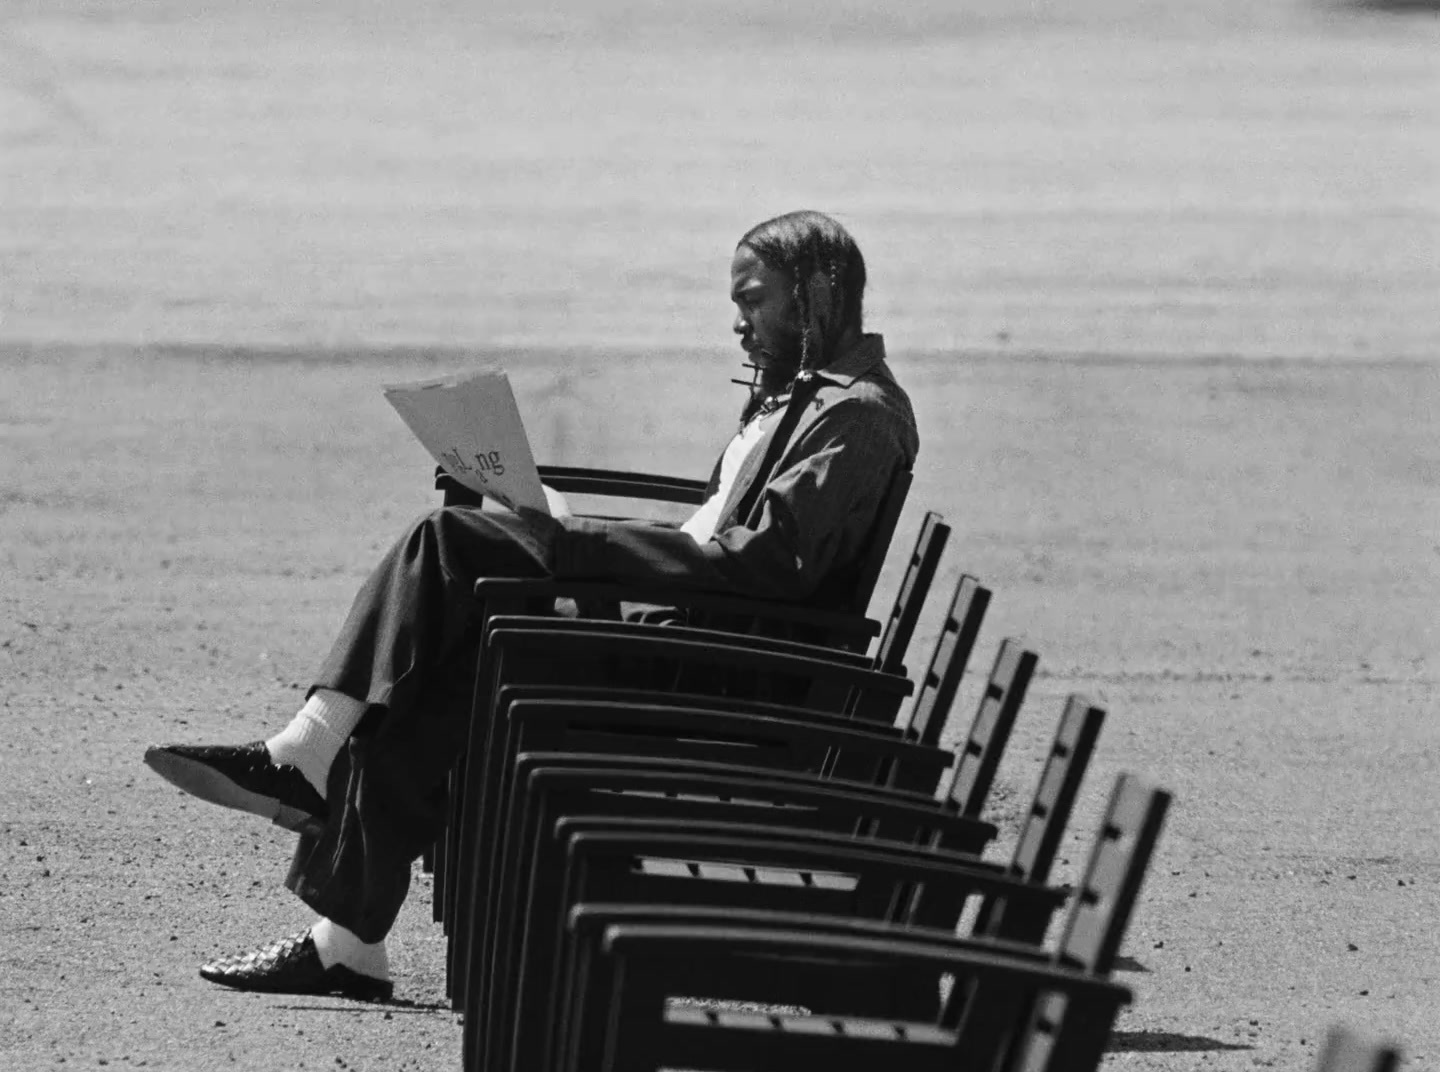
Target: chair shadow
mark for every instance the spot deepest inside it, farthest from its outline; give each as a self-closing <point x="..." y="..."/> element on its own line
<point x="393" y="1007"/>
<point x="1167" y="1042"/>
<point x="1396" y="7"/>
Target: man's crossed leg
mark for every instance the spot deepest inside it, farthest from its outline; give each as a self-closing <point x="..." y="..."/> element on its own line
<point x="389" y="702"/>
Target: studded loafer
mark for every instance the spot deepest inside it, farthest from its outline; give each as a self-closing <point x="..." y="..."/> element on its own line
<point x="243" y="777"/>
<point x="292" y="966"/>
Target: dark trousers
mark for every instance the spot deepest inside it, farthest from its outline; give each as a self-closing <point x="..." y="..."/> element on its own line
<point x="407" y="649"/>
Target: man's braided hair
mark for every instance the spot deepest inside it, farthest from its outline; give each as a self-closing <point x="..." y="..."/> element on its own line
<point x="828" y="273"/>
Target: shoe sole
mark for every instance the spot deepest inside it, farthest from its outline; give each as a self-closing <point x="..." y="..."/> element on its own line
<point x="349" y="984"/>
<point x="208" y="784"/>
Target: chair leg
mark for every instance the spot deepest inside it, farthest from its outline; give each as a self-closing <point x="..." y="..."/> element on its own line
<point x="440" y="869"/>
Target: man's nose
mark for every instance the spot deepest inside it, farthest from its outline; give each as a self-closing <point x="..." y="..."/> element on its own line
<point x="741" y="325"/>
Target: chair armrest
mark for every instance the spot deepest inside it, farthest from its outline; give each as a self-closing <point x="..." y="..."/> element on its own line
<point x="872" y="859"/>
<point x="645" y="630"/>
<point x="905" y="947"/>
<point x="589" y="921"/>
<point x="663" y="775"/>
<point x="747" y="834"/>
<point x="456" y="493"/>
<point x="548" y="787"/>
<point x="619" y="484"/>
<point x="854" y="629"/>
<point x="576" y="641"/>
<point x="582" y="481"/>
<point x="586" y="924"/>
<point x="544" y="722"/>
<point x="514" y="693"/>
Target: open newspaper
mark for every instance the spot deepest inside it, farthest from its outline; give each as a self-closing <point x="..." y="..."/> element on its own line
<point x="471" y="425"/>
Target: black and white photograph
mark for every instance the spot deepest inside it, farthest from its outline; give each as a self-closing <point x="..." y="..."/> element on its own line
<point x="638" y="535"/>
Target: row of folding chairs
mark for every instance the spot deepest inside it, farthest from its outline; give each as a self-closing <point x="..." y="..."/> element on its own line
<point x="681" y="846"/>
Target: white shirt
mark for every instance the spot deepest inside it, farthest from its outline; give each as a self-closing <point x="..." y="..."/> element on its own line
<point x="701" y="526"/>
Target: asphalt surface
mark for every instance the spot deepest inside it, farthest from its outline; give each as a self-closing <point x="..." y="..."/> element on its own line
<point x="1160" y="277"/>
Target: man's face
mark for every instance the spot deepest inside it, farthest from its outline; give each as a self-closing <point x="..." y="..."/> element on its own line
<point x="765" y="316"/>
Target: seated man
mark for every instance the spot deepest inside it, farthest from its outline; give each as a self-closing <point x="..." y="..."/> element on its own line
<point x="790" y="505"/>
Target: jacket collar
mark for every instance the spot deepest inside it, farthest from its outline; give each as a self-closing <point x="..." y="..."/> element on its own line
<point x="865" y="357"/>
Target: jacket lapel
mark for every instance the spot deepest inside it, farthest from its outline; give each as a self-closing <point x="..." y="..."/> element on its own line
<point x="713" y="484"/>
<point x="760" y="464"/>
<point x="865" y="358"/>
<point x="745" y="479"/>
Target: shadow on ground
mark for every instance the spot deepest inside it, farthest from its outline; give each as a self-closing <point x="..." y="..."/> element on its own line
<point x="387" y="1008"/>
<point x="1395" y="7"/>
<point x="1167" y="1042"/>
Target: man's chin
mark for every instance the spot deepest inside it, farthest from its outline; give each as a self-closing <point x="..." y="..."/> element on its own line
<point x="779" y="373"/>
<point x="775" y="372"/>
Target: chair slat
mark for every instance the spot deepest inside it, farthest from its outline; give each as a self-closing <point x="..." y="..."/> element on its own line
<point x="941" y="681"/>
<point x="979" y="756"/>
<point x="910" y="599"/>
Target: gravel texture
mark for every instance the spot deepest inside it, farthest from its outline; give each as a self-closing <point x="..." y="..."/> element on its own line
<point x="1160" y="276"/>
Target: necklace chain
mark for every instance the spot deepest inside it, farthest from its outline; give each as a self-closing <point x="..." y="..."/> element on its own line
<point x="769" y="405"/>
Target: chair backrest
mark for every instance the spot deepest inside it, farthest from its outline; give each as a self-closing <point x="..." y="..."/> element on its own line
<point x="1346" y="1051"/>
<point x="947" y="663"/>
<point x="877" y="545"/>
<point x="1044" y="824"/>
<point x="978" y="758"/>
<point x="1060" y="1035"/>
<point x="1102" y="902"/>
<point x="1060" y="779"/>
<point x="910" y="599"/>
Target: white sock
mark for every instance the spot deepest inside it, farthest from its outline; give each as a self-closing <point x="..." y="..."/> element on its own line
<point x="316" y="734"/>
<point x="336" y="945"/>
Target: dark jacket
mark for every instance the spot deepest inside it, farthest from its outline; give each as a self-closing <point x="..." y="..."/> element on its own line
<point x="801" y="510"/>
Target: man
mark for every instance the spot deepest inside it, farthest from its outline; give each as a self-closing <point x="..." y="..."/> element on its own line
<point x="789" y="507"/>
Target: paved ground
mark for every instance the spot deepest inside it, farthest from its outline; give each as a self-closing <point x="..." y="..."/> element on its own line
<point x="1138" y="177"/>
<point x="1238" y="555"/>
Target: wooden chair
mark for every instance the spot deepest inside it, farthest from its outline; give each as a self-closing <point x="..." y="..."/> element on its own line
<point x="1346" y="1051"/>
<point x="521" y="654"/>
<point x="478" y="825"/>
<point x="845" y="626"/>
<point x="525" y="822"/>
<point x="553" y="795"/>
<point x="749" y="864"/>
<point x="1057" y="1013"/>
<point x="888" y="657"/>
<point x="852" y="750"/>
<point x="889" y="653"/>
<point x="876" y="700"/>
<point x="841" y="626"/>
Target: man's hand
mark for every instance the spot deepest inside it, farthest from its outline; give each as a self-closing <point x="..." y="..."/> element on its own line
<point x="558" y="506"/>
